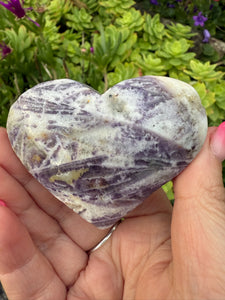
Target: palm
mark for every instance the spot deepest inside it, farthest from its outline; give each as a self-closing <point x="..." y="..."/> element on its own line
<point x="138" y="262"/>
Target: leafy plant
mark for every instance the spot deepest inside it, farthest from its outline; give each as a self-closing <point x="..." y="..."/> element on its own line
<point x="148" y="63"/>
<point x="116" y="7"/>
<point x="122" y="72"/>
<point x="206" y="18"/>
<point x="204" y="71"/>
<point x="79" y="19"/>
<point x="175" y="53"/>
<point x="178" y="31"/>
<point x="132" y="19"/>
<point x="154" y="31"/>
<point x="168" y="189"/>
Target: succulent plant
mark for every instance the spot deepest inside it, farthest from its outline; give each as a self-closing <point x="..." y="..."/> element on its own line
<point x="102" y="155"/>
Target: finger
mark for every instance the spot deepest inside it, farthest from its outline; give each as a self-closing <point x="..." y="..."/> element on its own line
<point x="24" y="272"/>
<point x="199" y="213"/>
<point x="150" y="219"/>
<point x="144" y="232"/>
<point x="155" y="203"/>
<point x="47" y="235"/>
<point x="218" y="142"/>
<point x="86" y="235"/>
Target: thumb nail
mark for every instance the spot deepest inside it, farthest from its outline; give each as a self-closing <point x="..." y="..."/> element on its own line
<point x="2" y="203"/>
<point x="218" y="142"/>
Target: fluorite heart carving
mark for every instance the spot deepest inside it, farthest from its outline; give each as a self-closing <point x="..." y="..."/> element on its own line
<point x="102" y="155"/>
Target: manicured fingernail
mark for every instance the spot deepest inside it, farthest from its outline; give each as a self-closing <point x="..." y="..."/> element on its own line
<point x="218" y="142"/>
<point x="2" y="203"/>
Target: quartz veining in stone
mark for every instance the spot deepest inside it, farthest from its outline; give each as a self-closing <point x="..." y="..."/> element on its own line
<point x="102" y="155"/>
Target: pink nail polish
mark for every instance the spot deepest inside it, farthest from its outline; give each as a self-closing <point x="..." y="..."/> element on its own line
<point x="218" y="142"/>
<point x="2" y="203"/>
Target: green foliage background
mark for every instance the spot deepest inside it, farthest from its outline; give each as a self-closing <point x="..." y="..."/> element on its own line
<point x="101" y="43"/>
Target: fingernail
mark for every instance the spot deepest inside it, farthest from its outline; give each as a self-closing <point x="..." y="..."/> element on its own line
<point x="218" y="142"/>
<point x="2" y="203"/>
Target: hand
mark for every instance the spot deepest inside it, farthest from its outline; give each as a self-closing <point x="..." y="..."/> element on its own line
<point x="156" y="253"/>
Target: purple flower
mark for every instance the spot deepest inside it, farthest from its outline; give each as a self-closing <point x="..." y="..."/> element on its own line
<point x="206" y="35"/>
<point x="16" y="8"/>
<point x="199" y="19"/>
<point x="195" y="9"/>
<point x="4" y="49"/>
<point x="92" y="50"/>
<point x="155" y="2"/>
<point x="170" y="5"/>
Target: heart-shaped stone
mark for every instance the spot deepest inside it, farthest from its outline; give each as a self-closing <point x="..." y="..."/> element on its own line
<point x="102" y="155"/>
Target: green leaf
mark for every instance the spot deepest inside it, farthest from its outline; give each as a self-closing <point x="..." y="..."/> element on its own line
<point x="131" y="19"/>
<point x="122" y="72"/>
<point x="50" y="35"/>
<point x="219" y="90"/>
<point x="174" y="52"/>
<point x="207" y="97"/>
<point x="124" y="49"/>
<point x="201" y="89"/>
<point x="12" y="38"/>
<point x="214" y="113"/>
<point x="57" y="9"/>
<point x="179" y="74"/>
<point x="20" y="41"/>
<point x="154" y="30"/>
<point x="79" y="20"/>
<point x="204" y="71"/>
<point x="106" y="46"/>
<point x="22" y="32"/>
<point x="116" y="7"/>
<point x="178" y="31"/>
<point x="175" y="48"/>
<point x="208" y="50"/>
<point x="168" y="189"/>
<point x="149" y="64"/>
<point x="92" y="6"/>
<point x="175" y="61"/>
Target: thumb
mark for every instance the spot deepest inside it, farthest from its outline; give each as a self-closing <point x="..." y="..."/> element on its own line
<point x="203" y="177"/>
<point x="198" y="236"/>
<point x="24" y="272"/>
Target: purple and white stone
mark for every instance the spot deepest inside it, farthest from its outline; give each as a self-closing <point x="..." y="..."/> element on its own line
<point x="102" y="155"/>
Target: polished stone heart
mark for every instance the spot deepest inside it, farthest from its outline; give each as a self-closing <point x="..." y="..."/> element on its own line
<point x="102" y="155"/>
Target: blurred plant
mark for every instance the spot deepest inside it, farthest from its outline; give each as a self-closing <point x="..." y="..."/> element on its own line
<point x="168" y="189"/>
<point x="154" y="2"/>
<point x="154" y="32"/>
<point x="4" y="50"/>
<point x="175" y="53"/>
<point x="16" y="8"/>
<point x="207" y="36"/>
<point x="199" y="19"/>
<point x="116" y="7"/>
<point x="205" y="17"/>
<point x="79" y="19"/>
<point x="177" y="31"/>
